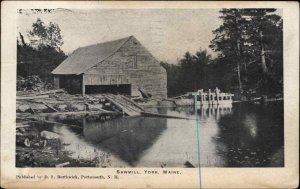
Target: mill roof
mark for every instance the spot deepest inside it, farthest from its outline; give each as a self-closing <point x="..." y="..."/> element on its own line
<point x="84" y="58"/>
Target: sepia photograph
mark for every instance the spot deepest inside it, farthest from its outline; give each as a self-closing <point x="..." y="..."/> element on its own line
<point x="163" y="88"/>
<point x="165" y="94"/>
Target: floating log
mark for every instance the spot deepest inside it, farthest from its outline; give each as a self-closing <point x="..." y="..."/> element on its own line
<point x="67" y="113"/>
<point x="179" y="97"/>
<point x="54" y="122"/>
<point x="31" y="97"/>
<point x="149" y="114"/>
<point x="35" y="120"/>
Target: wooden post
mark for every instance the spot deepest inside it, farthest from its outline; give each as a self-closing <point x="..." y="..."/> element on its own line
<point x="56" y="82"/>
<point x="201" y="96"/>
<point x="217" y="94"/>
<point x="209" y="95"/>
<point x="82" y="85"/>
<point x="213" y="97"/>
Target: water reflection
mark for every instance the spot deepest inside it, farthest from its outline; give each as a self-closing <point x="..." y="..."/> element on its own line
<point x="126" y="138"/>
<point x="243" y="135"/>
<point x="252" y="136"/>
<point x="214" y="110"/>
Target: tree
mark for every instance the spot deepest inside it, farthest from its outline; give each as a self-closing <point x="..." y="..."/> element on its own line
<point x="43" y="56"/>
<point x="46" y="35"/>
<point x="266" y="38"/>
<point x="262" y="30"/>
<point x="229" y="39"/>
<point x="173" y="84"/>
<point x="192" y="72"/>
<point x="249" y="39"/>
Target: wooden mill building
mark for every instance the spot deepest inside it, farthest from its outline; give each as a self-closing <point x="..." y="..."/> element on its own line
<point x="120" y="67"/>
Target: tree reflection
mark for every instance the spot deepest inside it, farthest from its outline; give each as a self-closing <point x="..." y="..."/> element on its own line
<point x="251" y="135"/>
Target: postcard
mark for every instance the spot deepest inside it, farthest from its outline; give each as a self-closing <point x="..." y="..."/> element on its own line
<point x="161" y="94"/>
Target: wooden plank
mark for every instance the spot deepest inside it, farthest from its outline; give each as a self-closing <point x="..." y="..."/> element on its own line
<point x="121" y="106"/>
<point x="67" y="113"/>
<point x="31" y="97"/>
<point x="52" y="91"/>
<point x="57" y="123"/>
<point x="49" y="106"/>
<point x="54" y="122"/>
<point x="46" y="121"/>
<point x="149" y="114"/>
<point x="132" y="102"/>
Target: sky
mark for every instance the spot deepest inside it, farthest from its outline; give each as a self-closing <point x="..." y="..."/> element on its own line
<point x="166" y="33"/>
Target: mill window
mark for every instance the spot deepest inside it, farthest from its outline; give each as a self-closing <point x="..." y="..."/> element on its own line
<point x="134" y="66"/>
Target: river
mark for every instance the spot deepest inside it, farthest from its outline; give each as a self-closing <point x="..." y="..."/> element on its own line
<point x="244" y="135"/>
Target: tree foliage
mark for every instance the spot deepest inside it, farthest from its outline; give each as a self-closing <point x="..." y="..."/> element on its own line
<point x="191" y="73"/>
<point x="41" y="58"/>
<point x="44" y="35"/>
<point x="250" y="42"/>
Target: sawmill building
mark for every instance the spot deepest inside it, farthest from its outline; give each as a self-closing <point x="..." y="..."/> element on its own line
<point x="122" y="66"/>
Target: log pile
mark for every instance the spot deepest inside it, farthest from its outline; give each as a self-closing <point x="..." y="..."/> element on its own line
<point x="60" y="102"/>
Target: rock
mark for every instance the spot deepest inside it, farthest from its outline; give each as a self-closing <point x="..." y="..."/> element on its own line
<point x="95" y="107"/>
<point x="39" y="107"/>
<point x="62" y="116"/>
<point x="184" y="102"/>
<point x="149" y="103"/>
<point x="107" y="104"/>
<point x="63" y="164"/>
<point x="62" y="107"/>
<point x="166" y="103"/>
<point x="78" y="107"/>
<point x="49" y="135"/>
<point x="187" y="164"/>
<point x="24" y="108"/>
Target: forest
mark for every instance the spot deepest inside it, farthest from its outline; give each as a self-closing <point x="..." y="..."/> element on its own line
<point x="248" y="62"/>
<point x="37" y="58"/>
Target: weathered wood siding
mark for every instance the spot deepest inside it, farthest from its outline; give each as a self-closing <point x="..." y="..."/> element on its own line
<point x="108" y="79"/>
<point x="133" y="64"/>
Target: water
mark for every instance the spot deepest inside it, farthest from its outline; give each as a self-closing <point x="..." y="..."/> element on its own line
<point x="246" y="135"/>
